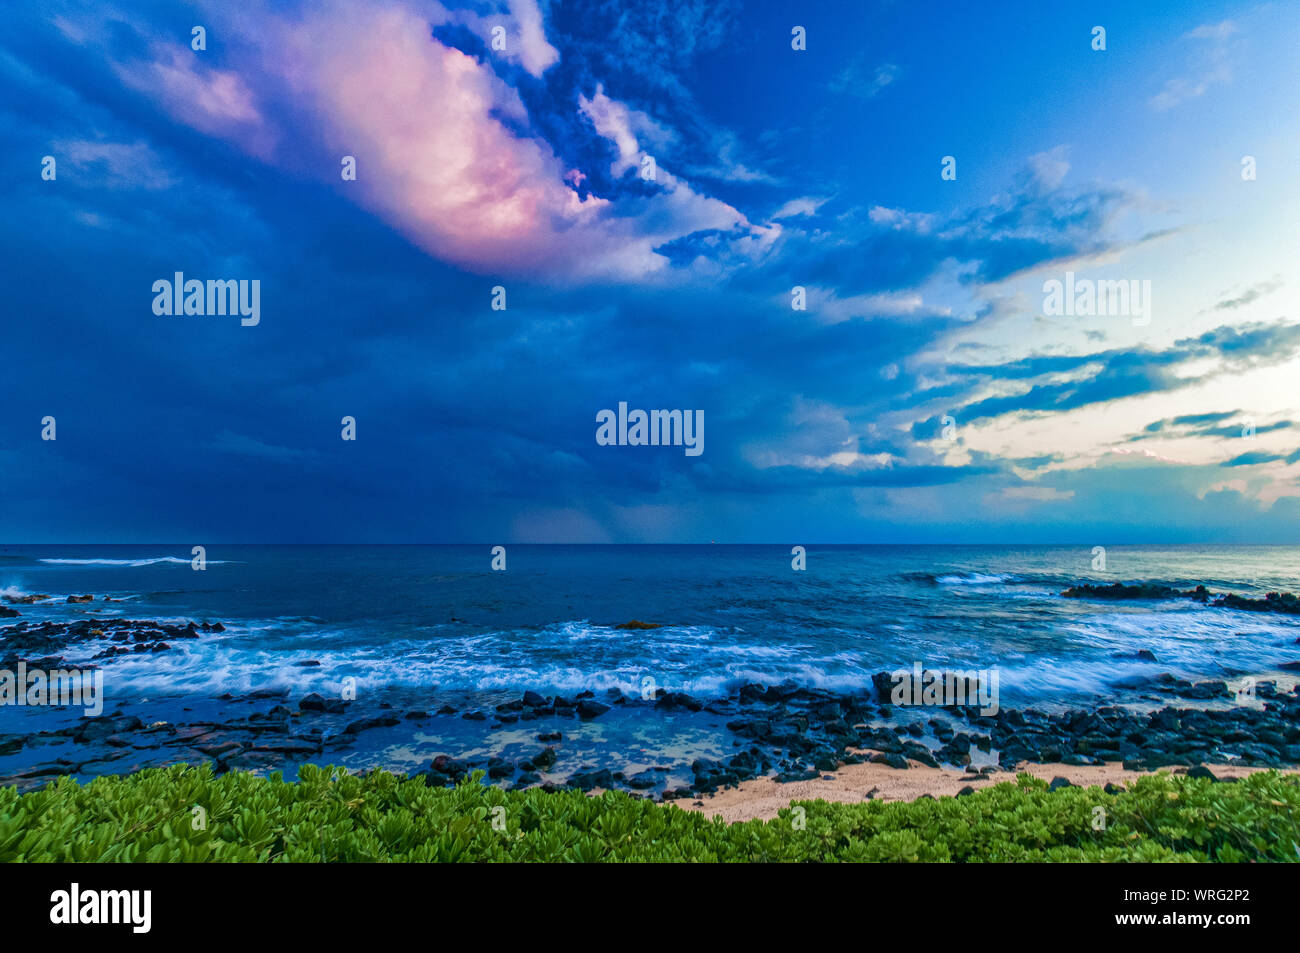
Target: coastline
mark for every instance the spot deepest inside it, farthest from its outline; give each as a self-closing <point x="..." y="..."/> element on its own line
<point x="765" y="798"/>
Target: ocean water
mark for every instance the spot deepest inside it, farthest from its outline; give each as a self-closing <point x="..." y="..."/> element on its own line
<point x="419" y="621"/>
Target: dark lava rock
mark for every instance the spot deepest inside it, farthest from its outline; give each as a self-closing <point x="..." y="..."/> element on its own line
<point x="797" y="774"/>
<point x="550" y="736"/>
<point x="644" y="780"/>
<point x="916" y="752"/>
<point x="1141" y="655"/>
<point x="498" y="768"/>
<point x="314" y="702"/>
<point x="81" y="599"/>
<point x="1201" y="771"/>
<point x="1058" y="783"/>
<point x="534" y="700"/>
<point x="586" y="780"/>
<point x="380" y="721"/>
<point x="474" y="716"/>
<point x="1118" y="590"/>
<point x="7" y="613"/>
<point x="893" y="760"/>
<point x="591" y="709"/>
<point x="636" y="624"/>
<point x="262" y="694"/>
<point x="670" y="701"/>
<point x="444" y="769"/>
<point x="966" y="791"/>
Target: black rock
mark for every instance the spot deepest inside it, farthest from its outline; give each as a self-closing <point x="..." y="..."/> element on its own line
<point x="379" y="721"/>
<point x="1201" y="771"/>
<point x="671" y="701"/>
<point x="314" y="702"/>
<point x="586" y="780"/>
<point x="893" y="760"/>
<point x="644" y="780"/>
<point x="1058" y="783"/>
<point x="534" y="700"/>
<point x="591" y="709"/>
<point x="798" y="774"/>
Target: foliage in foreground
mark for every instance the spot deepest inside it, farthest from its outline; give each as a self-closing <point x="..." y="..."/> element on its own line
<point x="329" y="815"/>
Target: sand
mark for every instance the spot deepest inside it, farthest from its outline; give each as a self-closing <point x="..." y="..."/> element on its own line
<point x="763" y="797"/>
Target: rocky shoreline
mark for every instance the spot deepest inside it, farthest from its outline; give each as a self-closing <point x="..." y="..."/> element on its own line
<point x="783" y="731"/>
<point x="786" y="732"/>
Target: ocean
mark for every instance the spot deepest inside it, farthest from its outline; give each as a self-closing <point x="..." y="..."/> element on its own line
<point x="414" y="627"/>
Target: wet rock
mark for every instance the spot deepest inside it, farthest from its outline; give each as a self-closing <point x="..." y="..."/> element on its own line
<point x="672" y="701"/>
<point x="591" y="709"/>
<point x="586" y="780"/>
<point x="219" y="749"/>
<point x="636" y="624"/>
<point x="643" y="780"/>
<point x="266" y="693"/>
<point x="314" y="702"/>
<point x="81" y="599"/>
<point x="365" y="724"/>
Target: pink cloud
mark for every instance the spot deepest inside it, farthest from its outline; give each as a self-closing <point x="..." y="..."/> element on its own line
<point x="433" y="158"/>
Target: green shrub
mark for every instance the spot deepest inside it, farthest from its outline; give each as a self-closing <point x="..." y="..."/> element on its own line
<point x="187" y="814"/>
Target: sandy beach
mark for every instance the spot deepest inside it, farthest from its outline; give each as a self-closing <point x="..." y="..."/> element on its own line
<point x="764" y="797"/>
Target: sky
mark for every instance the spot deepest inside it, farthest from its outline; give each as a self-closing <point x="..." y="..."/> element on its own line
<point x="830" y="229"/>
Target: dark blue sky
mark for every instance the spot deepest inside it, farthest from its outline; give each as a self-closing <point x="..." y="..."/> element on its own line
<point x="923" y="395"/>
